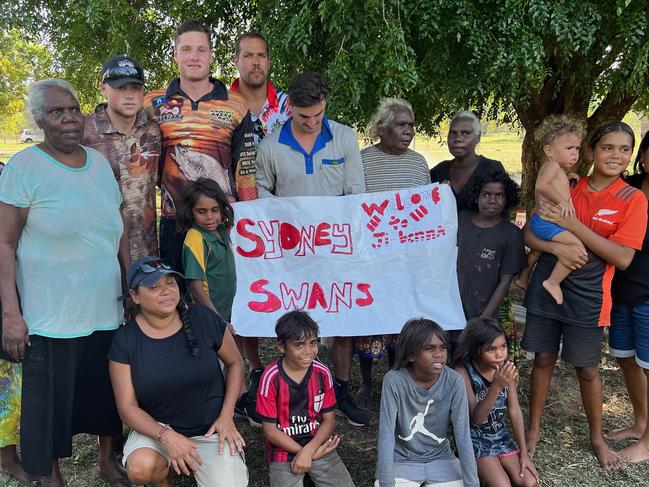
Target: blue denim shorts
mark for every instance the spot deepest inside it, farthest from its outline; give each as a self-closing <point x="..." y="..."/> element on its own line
<point x="492" y="445"/>
<point x="544" y="229"/>
<point x="629" y="332"/>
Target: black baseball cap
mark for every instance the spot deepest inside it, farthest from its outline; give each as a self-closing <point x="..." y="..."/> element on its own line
<point x="146" y="271"/>
<point x="120" y="70"/>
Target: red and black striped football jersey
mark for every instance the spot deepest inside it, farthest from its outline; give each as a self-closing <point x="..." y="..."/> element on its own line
<point x="294" y="408"/>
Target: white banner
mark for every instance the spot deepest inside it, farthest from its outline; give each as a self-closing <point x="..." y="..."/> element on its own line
<point x="360" y="264"/>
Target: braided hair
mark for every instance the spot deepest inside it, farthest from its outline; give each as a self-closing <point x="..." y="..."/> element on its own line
<point x="192" y="342"/>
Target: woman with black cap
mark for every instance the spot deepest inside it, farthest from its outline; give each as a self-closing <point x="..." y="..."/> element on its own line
<point x="169" y="387"/>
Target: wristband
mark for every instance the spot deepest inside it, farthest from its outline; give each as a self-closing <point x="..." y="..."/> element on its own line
<point x="164" y="428"/>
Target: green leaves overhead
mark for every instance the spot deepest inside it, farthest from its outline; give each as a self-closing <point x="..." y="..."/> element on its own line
<point x="516" y="60"/>
<point x="21" y="61"/>
<point x="499" y="57"/>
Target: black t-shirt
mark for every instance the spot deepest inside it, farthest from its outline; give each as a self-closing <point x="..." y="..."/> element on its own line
<point x="631" y="286"/>
<point x="440" y="173"/>
<point x="172" y="386"/>
<point x="484" y="254"/>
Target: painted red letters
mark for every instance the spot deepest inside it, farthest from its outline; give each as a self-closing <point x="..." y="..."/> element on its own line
<point x="271" y="239"/>
<point x="309" y="295"/>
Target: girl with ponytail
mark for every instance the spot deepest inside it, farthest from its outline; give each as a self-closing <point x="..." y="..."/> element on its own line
<point x="169" y="387"/>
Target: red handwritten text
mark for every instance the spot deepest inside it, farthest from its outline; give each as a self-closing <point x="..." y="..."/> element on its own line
<point x="414" y="206"/>
<point x="309" y="295"/>
<point x="272" y="239"/>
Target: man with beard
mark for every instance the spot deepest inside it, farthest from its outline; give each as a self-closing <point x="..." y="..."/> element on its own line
<point x="268" y="106"/>
<point x="268" y="110"/>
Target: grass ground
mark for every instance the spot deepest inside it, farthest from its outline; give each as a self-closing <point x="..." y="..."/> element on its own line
<point x="563" y="457"/>
<point x="505" y="148"/>
<point x="8" y="150"/>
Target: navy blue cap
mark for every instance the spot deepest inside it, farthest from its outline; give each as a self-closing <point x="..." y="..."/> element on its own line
<point x="121" y="70"/>
<point x="146" y="271"/>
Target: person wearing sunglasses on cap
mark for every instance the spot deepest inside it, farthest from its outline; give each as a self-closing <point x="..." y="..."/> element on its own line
<point x="169" y="387"/>
<point x="120" y="129"/>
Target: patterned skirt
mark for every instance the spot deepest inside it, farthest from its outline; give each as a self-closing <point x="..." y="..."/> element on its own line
<point x="10" y="389"/>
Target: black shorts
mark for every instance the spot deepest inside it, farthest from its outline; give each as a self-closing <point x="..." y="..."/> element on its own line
<point x="582" y="344"/>
<point x="66" y="390"/>
<point x="171" y="243"/>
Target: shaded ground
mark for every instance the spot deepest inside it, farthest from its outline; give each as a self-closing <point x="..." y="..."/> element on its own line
<point x="563" y="457"/>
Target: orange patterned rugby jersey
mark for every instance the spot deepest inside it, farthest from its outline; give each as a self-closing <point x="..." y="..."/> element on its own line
<point x="211" y="137"/>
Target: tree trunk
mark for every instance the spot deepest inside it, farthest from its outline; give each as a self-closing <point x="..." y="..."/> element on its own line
<point x="611" y="108"/>
<point x="530" y="162"/>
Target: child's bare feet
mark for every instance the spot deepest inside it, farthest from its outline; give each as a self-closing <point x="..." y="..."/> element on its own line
<point x="532" y="437"/>
<point x="520" y="283"/>
<point x="606" y="457"/>
<point x="636" y="453"/>
<point x="554" y="289"/>
<point x="633" y="432"/>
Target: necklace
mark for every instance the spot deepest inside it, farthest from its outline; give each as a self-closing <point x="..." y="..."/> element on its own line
<point x="601" y="189"/>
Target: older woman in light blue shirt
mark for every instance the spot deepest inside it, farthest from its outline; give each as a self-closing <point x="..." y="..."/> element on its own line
<point x="60" y="233"/>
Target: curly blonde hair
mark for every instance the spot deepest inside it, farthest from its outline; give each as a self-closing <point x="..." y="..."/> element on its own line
<point x="556" y="125"/>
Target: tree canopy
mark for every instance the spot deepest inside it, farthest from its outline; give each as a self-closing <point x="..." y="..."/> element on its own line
<point x="20" y="60"/>
<point x="515" y="60"/>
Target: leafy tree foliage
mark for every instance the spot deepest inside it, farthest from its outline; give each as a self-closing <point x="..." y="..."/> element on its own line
<point x="513" y="60"/>
<point x="20" y="61"/>
<point x="82" y="34"/>
<point x="517" y="60"/>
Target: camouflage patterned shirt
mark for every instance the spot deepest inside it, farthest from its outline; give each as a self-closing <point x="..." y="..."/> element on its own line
<point x="134" y="160"/>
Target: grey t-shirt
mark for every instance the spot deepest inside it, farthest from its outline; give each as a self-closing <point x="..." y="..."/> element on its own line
<point x="414" y="427"/>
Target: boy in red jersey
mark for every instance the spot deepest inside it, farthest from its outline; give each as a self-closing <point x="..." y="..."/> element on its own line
<point x="296" y="402"/>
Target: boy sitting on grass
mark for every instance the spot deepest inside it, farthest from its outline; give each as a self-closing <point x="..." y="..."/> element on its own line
<point x="296" y="403"/>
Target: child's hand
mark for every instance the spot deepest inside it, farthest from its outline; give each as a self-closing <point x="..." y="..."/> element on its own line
<point x="573" y="177"/>
<point x="566" y="208"/>
<point x="505" y="375"/>
<point x="327" y="447"/>
<point x="527" y="464"/>
<point x="552" y="213"/>
<point x="302" y="461"/>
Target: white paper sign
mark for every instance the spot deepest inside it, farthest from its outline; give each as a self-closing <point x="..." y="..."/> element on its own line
<point x="360" y="264"/>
